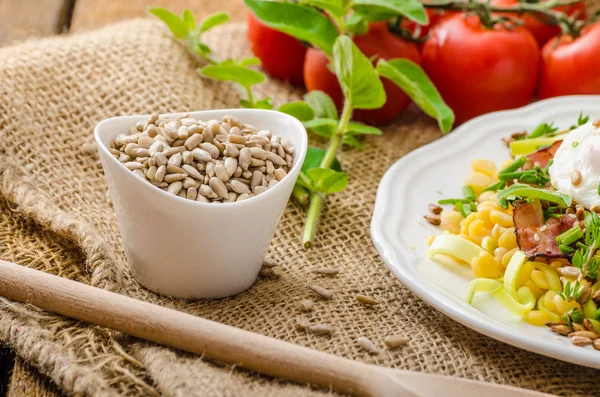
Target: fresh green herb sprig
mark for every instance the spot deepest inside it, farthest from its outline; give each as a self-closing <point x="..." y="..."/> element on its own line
<point x="519" y="191"/>
<point x="465" y="205"/>
<point x="327" y="25"/>
<point x="238" y="71"/>
<point x="584" y="257"/>
<point x="581" y="120"/>
<point x="572" y="291"/>
<point x="573" y="316"/>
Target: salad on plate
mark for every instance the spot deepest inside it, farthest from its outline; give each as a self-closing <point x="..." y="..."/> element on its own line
<point x="530" y="230"/>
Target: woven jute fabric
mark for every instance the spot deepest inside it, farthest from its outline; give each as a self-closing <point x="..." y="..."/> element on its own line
<point x="54" y="217"/>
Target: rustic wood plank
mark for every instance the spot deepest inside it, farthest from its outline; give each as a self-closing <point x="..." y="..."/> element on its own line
<point x="89" y="14"/>
<point x="21" y="19"/>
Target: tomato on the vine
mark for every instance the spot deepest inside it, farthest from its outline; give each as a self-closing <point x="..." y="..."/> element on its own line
<point x="478" y="69"/>
<point x="281" y="55"/>
<point x="540" y="28"/>
<point x="377" y="43"/>
<point x="570" y="65"/>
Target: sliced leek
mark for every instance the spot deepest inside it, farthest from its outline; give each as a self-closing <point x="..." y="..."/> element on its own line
<point x="551" y="275"/>
<point x="589" y="309"/>
<point x="542" y="307"/>
<point x="528" y="146"/>
<point x="455" y="246"/>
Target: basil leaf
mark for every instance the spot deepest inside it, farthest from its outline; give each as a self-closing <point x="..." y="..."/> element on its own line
<point x="352" y="141"/>
<point x="250" y="61"/>
<point x="299" y="110"/>
<point x="302" y="22"/>
<point x="326" y="180"/>
<point x="314" y="157"/>
<point x="334" y="7"/>
<point x="189" y="20"/>
<point x="357" y="24"/>
<point x="411" y="9"/>
<point x="322" y="127"/>
<point x="334" y="183"/>
<point x="362" y="129"/>
<point x="213" y="20"/>
<point x="174" y="23"/>
<point x="322" y="104"/>
<point x="414" y="82"/>
<point x="357" y="76"/>
<point x="264" y="103"/>
<point x="238" y="74"/>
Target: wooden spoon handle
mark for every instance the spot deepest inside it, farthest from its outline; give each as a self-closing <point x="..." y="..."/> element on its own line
<point x="193" y="334"/>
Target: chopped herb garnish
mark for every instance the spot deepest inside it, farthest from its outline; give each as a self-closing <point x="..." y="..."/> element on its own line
<point x="453" y="201"/>
<point x="469" y="193"/>
<point x="495" y="187"/>
<point x="536" y="176"/>
<point x="519" y="191"/>
<point x="573" y="316"/>
<point x="566" y="250"/>
<point x="463" y="205"/>
<point x="575" y="144"/>
<point x="464" y="210"/>
<point x="543" y="129"/>
<point x="570" y="236"/>
<point x="515" y="165"/>
<point x="581" y="120"/>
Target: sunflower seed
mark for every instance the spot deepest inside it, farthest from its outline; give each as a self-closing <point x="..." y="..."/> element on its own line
<point x="581" y="341"/>
<point x="587" y="334"/>
<point x="160" y="173"/>
<point x="322" y="292"/>
<point x="327" y="271"/>
<point x="306" y="305"/>
<point x="366" y="300"/>
<point x="302" y="322"/>
<point x="175" y="187"/>
<point x="218" y="187"/>
<point x="561" y="329"/>
<point x="367" y="344"/>
<point x="393" y="341"/>
<point x="173" y="169"/>
<point x="89" y="148"/>
<point x="245" y="158"/>
<point x="321" y="329"/>
<point x="433" y="219"/>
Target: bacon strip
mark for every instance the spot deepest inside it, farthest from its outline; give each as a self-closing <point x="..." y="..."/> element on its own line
<point x="529" y="223"/>
<point x="542" y="156"/>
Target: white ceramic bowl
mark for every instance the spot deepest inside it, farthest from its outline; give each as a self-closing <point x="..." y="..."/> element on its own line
<point x="189" y="249"/>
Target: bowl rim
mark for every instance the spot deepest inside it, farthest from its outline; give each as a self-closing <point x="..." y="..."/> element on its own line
<point x="300" y="152"/>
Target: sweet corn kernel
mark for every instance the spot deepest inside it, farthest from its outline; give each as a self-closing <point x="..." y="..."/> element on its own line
<point x="489" y="244"/>
<point x="497" y="231"/>
<point x="499" y="254"/>
<point x="501" y="218"/>
<point x="539" y="279"/>
<point x="430" y="240"/>
<point x="485" y="266"/>
<point x="524" y="274"/>
<point x="537" y="318"/>
<point x="556" y="265"/>
<point x="450" y="221"/>
<point x="478" y="181"/>
<point x="537" y="291"/>
<point x="484" y="215"/>
<point x="486" y="167"/>
<point x="475" y="239"/>
<point x="508" y="239"/>
<point x="467" y="222"/>
<point x="485" y="196"/>
<point x="476" y="228"/>
<point x="549" y="301"/>
<point x="507" y="257"/>
<point x="564" y="306"/>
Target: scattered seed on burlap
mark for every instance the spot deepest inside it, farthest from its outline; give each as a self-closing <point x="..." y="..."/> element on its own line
<point x="235" y="161"/>
<point x="269" y="272"/>
<point x="89" y="148"/>
<point x="322" y="292"/>
<point x="367" y="345"/>
<point x="394" y="341"/>
<point x="367" y="300"/>
<point x="302" y="322"/>
<point x="326" y="271"/>
<point x="306" y="305"/>
<point x="321" y="329"/>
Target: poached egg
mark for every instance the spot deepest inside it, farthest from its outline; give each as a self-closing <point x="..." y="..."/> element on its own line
<point x="579" y="152"/>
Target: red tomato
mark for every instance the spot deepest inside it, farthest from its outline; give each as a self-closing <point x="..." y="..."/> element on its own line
<point x="541" y="30"/>
<point x="570" y="65"/>
<point x="434" y="16"/>
<point x="281" y="55"/>
<point x="479" y="70"/>
<point x="379" y="43"/>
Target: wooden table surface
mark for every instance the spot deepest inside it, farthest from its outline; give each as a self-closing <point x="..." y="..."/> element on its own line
<point x="24" y="19"/>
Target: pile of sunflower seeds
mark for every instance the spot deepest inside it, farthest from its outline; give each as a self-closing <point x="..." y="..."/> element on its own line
<point x="208" y="161"/>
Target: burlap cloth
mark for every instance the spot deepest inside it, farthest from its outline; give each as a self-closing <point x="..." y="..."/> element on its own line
<point x="54" y="217"/>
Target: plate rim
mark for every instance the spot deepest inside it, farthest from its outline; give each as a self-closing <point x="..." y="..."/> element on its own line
<point x="436" y="299"/>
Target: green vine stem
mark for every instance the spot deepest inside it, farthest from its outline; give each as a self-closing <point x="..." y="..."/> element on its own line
<point x="316" y="198"/>
<point x="569" y="25"/>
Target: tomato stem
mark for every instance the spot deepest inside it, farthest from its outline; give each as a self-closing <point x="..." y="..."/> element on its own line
<point x="569" y="25"/>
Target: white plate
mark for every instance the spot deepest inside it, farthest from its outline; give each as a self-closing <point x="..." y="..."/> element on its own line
<point x="437" y="171"/>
